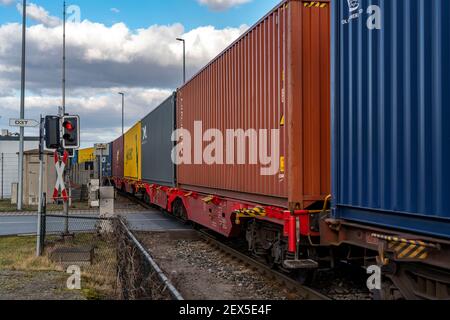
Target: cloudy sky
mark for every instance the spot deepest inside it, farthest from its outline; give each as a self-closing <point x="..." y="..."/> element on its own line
<point x="116" y="45"/>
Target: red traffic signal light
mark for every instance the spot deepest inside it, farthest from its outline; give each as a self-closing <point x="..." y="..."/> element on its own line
<point x="68" y="125"/>
<point x="71" y="132"/>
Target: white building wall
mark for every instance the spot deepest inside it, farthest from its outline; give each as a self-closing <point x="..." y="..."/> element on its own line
<point x="9" y="164"/>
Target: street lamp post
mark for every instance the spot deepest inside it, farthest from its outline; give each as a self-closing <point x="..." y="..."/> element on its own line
<point x="184" y="59"/>
<point x="22" y="108"/>
<point x="123" y="112"/>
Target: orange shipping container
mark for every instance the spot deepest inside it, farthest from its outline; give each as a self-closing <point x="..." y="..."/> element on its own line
<point x="276" y="76"/>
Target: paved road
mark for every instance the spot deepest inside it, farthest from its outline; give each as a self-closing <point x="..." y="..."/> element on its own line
<point x="154" y="221"/>
<point x="151" y="220"/>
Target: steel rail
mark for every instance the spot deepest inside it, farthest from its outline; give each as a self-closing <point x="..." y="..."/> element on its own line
<point x="304" y="291"/>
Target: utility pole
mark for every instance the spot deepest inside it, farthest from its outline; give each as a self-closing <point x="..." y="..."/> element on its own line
<point x="22" y="108"/>
<point x="64" y="62"/>
<point x="66" y="175"/>
<point x="184" y="59"/>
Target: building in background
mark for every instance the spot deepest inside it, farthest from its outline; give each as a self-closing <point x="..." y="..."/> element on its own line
<point x="9" y="160"/>
<point x="31" y="177"/>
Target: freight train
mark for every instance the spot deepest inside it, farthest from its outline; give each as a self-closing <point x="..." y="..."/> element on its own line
<point x="336" y="113"/>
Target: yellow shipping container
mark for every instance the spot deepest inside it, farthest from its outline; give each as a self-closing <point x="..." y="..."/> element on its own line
<point x="132" y="153"/>
<point x="86" y="155"/>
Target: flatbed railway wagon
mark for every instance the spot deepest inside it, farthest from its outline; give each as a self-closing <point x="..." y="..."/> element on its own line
<point x="391" y="141"/>
<point x="275" y="77"/>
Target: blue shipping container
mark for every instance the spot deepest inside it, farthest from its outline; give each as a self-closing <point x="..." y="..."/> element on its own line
<point x="106" y="166"/>
<point x="75" y="158"/>
<point x="391" y="114"/>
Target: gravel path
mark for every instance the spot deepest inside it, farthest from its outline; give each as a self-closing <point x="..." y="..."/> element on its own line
<point x="202" y="273"/>
<point x="343" y="283"/>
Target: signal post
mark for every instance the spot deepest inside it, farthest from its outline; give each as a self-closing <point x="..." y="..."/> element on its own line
<point x="62" y="134"/>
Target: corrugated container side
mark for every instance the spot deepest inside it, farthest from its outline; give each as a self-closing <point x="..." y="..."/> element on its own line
<point x="276" y="76"/>
<point x="391" y="111"/>
<point x="117" y="158"/>
<point x="157" y="145"/>
<point x="86" y="155"/>
<point x="132" y="153"/>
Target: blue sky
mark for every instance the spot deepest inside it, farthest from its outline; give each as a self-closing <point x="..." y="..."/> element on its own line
<point x="140" y="14"/>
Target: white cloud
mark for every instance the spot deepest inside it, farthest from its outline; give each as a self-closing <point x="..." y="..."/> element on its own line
<point x="101" y="61"/>
<point x="222" y="5"/>
<point x="39" y="14"/>
<point x="100" y="109"/>
<point x="6" y="2"/>
<point x="115" y="10"/>
<point x="103" y="56"/>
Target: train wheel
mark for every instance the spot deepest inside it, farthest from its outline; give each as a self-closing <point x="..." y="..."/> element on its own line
<point x="305" y="277"/>
<point x="146" y="198"/>
<point x="179" y="210"/>
<point x="270" y="261"/>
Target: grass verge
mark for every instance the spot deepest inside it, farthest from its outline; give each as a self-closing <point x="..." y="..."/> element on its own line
<point x="98" y="279"/>
<point x="6" y="206"/>
<point x="19" y="254"/>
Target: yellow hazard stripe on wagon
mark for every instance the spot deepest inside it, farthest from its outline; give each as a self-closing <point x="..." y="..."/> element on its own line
<point x="208" y="199"/>
<point x="408" y="249"/>
<point x="250" y="213"/>
<point x="315" y="4"/>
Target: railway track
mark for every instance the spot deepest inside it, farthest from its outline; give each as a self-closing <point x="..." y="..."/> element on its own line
<point x="282" y="279"/>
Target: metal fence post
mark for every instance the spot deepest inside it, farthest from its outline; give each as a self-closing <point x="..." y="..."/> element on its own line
<point x="3" y="172"/>
<point x="41" y="207"/>
<point x="42" y="198"/>
<point x="42" y="225"/>
<point x="66" y="203"/>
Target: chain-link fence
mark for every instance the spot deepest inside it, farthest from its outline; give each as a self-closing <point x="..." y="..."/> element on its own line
<point x="88" y="243"/>
<point x="139" y="276"/>
<point x="114" y="265"/>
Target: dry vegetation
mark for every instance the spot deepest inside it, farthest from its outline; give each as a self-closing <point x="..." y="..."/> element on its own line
<point x="98" y="280"/>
